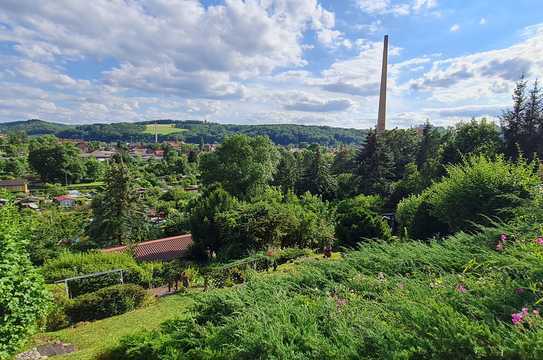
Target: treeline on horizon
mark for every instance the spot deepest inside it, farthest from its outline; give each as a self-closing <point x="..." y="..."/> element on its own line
<point x="195" y="132"/>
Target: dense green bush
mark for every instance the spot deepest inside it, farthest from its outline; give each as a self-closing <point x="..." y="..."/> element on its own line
<point x="56" y="316"/>
<point x="358" y="219"/>
<point x="453" y="299"/>
<point x="481" y="188"/>
<point x="476" y="192"/>
<point x="69" y="265"/>
<point x="106" y="302"/>
<point x="23" y="297"/>
<point x="415" y="219"/>
<point x="233" y="229"/>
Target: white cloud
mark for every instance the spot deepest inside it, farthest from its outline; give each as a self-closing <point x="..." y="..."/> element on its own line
<point x="484" y="75"/>
<point x="482" y="21"/>
<point x="382" y="7"/>
<point x="307" y="103"/>
<point x="171" y="42"/>
<point x="455" y="28"/>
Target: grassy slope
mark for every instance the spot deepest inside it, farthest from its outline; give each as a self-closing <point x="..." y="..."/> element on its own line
<point x="94" y="338"/>
<point x="162" y="129"/>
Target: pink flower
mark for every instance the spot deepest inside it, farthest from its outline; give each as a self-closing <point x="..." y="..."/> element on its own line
<point x="524" y="311"/>
<point x="539" y="240"/>
<point x="517" y="318"/>
<point x="535" y="312"/>
<point x="499" y="246"/>
<point x="461" y="289"/>
<point x="503" y="237"/>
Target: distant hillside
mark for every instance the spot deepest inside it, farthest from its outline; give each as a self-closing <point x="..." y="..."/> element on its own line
<point x="190" y="131"/>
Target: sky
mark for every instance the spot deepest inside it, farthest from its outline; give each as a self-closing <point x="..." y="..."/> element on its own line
<point x="265" y="61"/>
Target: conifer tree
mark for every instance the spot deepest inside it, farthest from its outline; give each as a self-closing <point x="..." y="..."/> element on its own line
<point x="512" y="121"/>
<point x="317" y="178"/>
<point x="375" y="167"/>
<point x="288" y="172"/>
<point x="117" y="214"/>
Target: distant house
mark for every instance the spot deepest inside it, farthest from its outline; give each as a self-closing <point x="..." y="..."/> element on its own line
<point x="83" y="146"/>
<point x="65" y="200"/>
<point x="165" y="249"/>
<point x="16" y="185"/>
<point x="159" y="154"/>
<point x="30" y="205"/>
<point x="101" y="155"/>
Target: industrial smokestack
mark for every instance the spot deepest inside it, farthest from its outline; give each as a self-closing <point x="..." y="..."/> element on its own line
<point x="381" y="120"/>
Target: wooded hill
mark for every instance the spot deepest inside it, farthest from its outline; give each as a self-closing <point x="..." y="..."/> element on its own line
<point x="193" y="131"/>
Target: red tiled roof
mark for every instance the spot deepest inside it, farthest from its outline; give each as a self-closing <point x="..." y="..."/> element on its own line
<point x="162" y="249"/>
<point x="63" y="198"/>
<point x="14" y="182"/>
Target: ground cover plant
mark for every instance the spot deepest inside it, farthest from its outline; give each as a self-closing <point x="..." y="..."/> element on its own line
<point x="470" y="296"/>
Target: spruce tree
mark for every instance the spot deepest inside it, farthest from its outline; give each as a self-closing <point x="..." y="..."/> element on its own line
<point x="533" y="121"/>
<point x="512" y="121"/>
<point x="117" y="214"/>
<point x="375" y="167"/>
<point x="288" y="172"/>
<point x="317" y="178"/>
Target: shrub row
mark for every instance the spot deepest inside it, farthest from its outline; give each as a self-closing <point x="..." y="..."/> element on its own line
<point x="75" y="264"/>
<point x="106" y="302"/>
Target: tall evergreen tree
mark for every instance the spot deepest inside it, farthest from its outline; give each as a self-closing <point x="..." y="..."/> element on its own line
<point x="512" y="121"/>
<point x="288" y="171"/>
<point x="375" y="166"/>
<point x="428" y="144"/>
<point x="117" y="214"/>
<point x="343" y="160"/>
<point x="533" y="123"/>
<point x="317" y="178"/>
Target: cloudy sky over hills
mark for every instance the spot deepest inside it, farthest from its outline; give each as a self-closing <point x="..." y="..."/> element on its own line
<point x="267" y="61"/>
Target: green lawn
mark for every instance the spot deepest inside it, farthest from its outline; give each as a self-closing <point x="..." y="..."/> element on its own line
<point x="80" y="186"/>
<point x="162" y="129"/>
<point x="94" y="338"/>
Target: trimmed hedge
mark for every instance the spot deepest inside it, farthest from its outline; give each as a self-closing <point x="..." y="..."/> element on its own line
<point x="69" y="265"/>
<point x="106" y="302"/>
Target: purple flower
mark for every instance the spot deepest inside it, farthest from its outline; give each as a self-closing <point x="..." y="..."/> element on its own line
<point x="517" y="318"/>
<point x="461" y="289"/>
<point x="539" y="240"/>
<point x="519" y="291"/>
<point x="503" y="237"/>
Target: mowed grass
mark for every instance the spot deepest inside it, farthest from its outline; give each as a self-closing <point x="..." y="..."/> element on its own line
<point x="95" y="338"/>
<point x="162" y="129"/>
